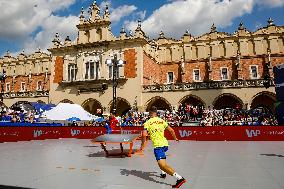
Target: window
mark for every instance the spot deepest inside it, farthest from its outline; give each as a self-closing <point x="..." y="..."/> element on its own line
<point x="110" y="72"/>
<point x="224" y="73"/>
<point x="253" y="72"/>
<point x="92" y="70"/>
<point x="170" y="78"/>
<point x="72" y="72"/>
<point x="196" y="75"/>
<point x="23" y="86"/>
<point x="8" y="87"/>
<point x="39" y="86"/>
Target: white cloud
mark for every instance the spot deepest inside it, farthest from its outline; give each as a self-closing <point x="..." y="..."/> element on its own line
<point x="65" y="26"/>
<point x="198" y="15"/>
<point x="20" y="19"/>
<point x="141" y="15"/>
<point x="122" y="11"/>
<point x="118" y="13"/>
<point x="270" y="3"/>
<point x="176" y="16"/>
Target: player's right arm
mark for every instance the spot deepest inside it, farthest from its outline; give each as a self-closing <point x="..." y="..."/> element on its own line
<point x="170" y="129"/>
<point x="144" y="136"/>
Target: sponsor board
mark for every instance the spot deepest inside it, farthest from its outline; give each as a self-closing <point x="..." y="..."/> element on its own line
<point x="218" y="133"/>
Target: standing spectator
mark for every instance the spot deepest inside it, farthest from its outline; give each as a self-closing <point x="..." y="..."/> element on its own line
<point x="113" y="122"/>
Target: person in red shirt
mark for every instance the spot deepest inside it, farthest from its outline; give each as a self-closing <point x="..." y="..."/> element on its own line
<point x="113" y="122"/>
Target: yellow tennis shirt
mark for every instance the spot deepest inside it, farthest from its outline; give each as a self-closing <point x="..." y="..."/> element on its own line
<point x="156" y="127"/>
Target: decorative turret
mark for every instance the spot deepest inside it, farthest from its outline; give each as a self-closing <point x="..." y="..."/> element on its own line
<point x="130" y="33"/>
<point x="186" y="36"/>
<point x="67" y="41"/>
<point x="270" y="22"/>
<point x="8" y="55"/>
<point x="123" y="34"/>
<point x="82" y="17"/>
<point x="213" y="28"/>
<point x="56" y="41"/>
<point x="38" y="50"/>
<point x="22" y="55"/>
<point x="241" y="26"/>
<point x="161" y="35"/>
<point x="94" y="11"/>
<point x="139" y="26"/>
<point x="139" y="32"/>
<point x="106" y="14"/>
<point x="23" y="52"/>
<point x="186" y="33"/>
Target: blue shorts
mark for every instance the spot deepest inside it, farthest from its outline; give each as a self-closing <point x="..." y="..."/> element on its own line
<point x="160" y="152"/>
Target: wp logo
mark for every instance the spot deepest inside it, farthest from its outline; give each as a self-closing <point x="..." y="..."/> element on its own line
<point x="185" y="133"/>
<point x="252" y="133"/>
<point x="75" y="132"/>
<point x="37" y="133"/>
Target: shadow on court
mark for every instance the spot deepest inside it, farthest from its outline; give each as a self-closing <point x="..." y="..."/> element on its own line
<point x="103" y="154"/>
<point x="113" y="153"/>
<point x="90" y="146"/>
<point x="12" y="187"/>
<point x="272" y="155"/>
<point x="143" y="175"/>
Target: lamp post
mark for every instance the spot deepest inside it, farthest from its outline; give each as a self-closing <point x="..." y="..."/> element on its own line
<point x="115" y="63"/>
<point x="2" y="78"/>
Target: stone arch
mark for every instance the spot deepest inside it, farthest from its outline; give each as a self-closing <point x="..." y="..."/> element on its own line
<point x="3" y="105"/>
<point x="192" y="100"/>
<point x="122" y="106"/>
<point x="92" y="106"/>
<point x="22" y="105"/>
<point x="264" y="100"/>
<point x="66" y="101"/>
<point x="227" y="100"/>
<point x="160" y="102"/>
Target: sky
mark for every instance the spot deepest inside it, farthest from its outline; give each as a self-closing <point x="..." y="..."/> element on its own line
<point x="31" y="24"/>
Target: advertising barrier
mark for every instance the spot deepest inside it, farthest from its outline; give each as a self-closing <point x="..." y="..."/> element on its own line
<point x="217" y="133"/>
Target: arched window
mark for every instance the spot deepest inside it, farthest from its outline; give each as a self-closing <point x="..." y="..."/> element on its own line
<point x="39" y="86"/>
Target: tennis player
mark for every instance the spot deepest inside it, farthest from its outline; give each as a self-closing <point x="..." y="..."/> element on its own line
<point x="155" y="128"/>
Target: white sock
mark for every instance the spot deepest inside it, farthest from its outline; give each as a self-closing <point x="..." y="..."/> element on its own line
<point x="163" y="172"/>
<point x="177" y="176"/>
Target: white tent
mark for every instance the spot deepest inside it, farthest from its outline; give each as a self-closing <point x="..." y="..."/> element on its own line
<point x="64" y="111"/>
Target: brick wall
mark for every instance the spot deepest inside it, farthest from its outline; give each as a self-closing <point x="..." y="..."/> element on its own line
<point x="58" y="70"/>
<point x="217" y="65"/>
<point x="130" y="70"/>
<point x="189" y="67"/>
<point x="153" y="72"/>
<point x="30" y="85"/>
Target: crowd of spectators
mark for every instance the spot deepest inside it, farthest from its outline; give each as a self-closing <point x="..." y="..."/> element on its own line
<point x="199" y="116"/>
<point x="18" y="116"/>
<point x="185" y="115"/>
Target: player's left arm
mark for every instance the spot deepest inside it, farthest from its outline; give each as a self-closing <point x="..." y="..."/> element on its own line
<point x="170" y="129"/>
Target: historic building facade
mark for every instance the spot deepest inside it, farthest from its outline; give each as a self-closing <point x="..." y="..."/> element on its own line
<point x="27" y="77"/>
<point x="216" y="69"/>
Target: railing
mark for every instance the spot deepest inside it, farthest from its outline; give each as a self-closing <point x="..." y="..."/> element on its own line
<point x="84" y="82"/>
<point x="27" y="94"/>
<point x="205" y="85"/>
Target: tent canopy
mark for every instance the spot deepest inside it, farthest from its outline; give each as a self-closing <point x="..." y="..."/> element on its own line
<point x="41" y="107"/>
<point x="65" y="111"/>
